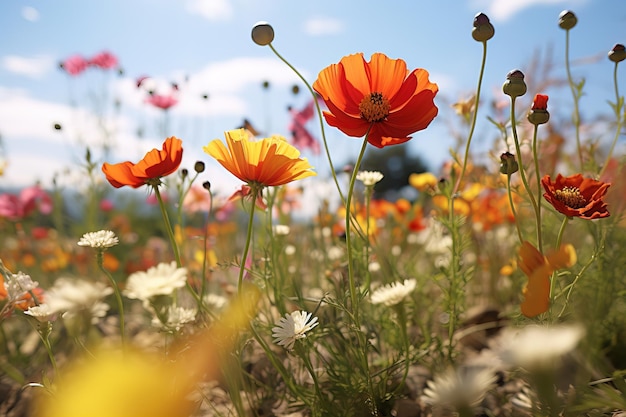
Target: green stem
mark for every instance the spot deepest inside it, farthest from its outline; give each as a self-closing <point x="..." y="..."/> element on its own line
<point x="255" y="189"/>
<point x="576" y="97"/>
<point x="474" y="117"/>
<point x="319" y="116"/>
<point x="619" y="104"/>
<point x="518" y="151"/>
<point x="508" y="189"/>
<point x="170" y="233"/>
<point x="116" y="290"/>
<point x="538" y="210"/>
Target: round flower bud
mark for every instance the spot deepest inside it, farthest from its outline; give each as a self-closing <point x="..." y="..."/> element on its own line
<point x="262" y="33"/>
<point x="567" y="20"/>
<point x="206" y="185"/>
<point x="198" y="167"/>
<point x="184" y="173"/>
<point x="618" y="53"/>
<point x="514" y="86"/>
<point x="508" y="164"/>
<point x="538" y="114"/>
<point x="483" y="29"/>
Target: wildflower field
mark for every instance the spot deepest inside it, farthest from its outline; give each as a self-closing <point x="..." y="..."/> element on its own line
<point x="497" y="289"/>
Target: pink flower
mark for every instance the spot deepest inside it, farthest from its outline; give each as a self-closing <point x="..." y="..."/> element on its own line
<point x="301" y="138"/>
<point x="75" y="64"/>
<point x="16" y="207"/>
<point x="197" y="199"/>
<point x="161" y="101"/>
<point x="106" y="205"/>
<point x="244" y="192"/>
<point x="104" y="60"/>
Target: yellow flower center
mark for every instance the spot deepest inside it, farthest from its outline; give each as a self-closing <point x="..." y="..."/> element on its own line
<point x="374" y="107"/>
<point x="571" y="197"/>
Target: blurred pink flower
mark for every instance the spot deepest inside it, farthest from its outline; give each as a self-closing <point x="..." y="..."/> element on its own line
<point x="197" y="199"/>
<point x="74" y="65"/>
<point x="161" y="101"/>
<point x="106" y="205"/>
<point x="244" y="192"/>
<point x="104" y="60"/>
<point x="16" y="207"/>
<point x="301" y="138"/>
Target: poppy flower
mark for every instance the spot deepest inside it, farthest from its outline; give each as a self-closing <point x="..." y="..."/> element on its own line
<point x="74" y="65"/>
<point x="266" y="162"/>
<point x="380" y="97"/>
<point x="153" y="166"/>
<point x="539" y="268"/>
<point x="161" y="101"/>
<point x="576" y="196"/>
<point x="17" y="206"/>
<point x="104" y="60"/>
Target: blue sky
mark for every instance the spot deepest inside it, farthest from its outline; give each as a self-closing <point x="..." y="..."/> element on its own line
<point x="205" y="47"/>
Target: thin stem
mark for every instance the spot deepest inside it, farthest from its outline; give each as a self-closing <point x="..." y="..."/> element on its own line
<point x="116" y="290"/>
<point x="474" y="117"/>
<point x="538" y="210"/>
<point x="518" y="151"/>
<point x="576" y="96"/>
<point x="319" y="116"/>
<point x="619" y="104"/>
<point x="170" y="233"/>
<point x="255" y="189"/>
<point x="508" y="189"/>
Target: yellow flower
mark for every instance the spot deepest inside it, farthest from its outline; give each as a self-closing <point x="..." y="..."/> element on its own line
<point x="425" y="181"/>
<point x="266" y="162"/>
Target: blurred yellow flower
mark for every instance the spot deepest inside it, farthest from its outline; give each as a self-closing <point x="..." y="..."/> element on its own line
<point x="425" y="181"/>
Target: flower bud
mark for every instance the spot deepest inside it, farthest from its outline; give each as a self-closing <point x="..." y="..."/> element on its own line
<point x="508" y="164"/>
<point x="567" y="20"/>
<point x="483" y="29"/>
<point x="206" y="185"/>
<point x="514" y="86"/>
<point x="538" y="114"/>
<point x="618" y="53"/>
<point x="184" y="173"/>
<point x="198" y="167"/>
<point x="262" y="33"/>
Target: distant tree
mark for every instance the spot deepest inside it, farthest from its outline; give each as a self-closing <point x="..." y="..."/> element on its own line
<point x="396" y="164"/>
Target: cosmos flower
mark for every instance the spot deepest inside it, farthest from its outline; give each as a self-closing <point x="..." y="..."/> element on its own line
<point x="381" y="98"/>
<point x="394" y="293"/>
<point x="153" y="166"/>
<point x="300" y="135"/>
<point x="575" y="196"/>
<point x="74" y="65"/>
<point x="101" y="239"/>
<point x="161" y="101"/>
<point x="265" y="162"/>
<point x="74" y="297"/>
<point x="293" y="327"/>
<point x="104" y="60"/>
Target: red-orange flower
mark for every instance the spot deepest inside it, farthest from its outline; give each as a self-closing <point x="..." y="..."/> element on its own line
<point x="155" y="165"/>
<point x="380" y="95"/>
<point x="539" y="268"/>
<point x="540" y="102"/>
<point x="576" y="196"/>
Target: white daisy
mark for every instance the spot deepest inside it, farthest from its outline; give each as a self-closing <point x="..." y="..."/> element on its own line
<point x="369" y="178"/>
<point x="394" y="293"/>
<point x="162" y="279"/>
<point x="292" y="327"/>
<point x="536" y="347"/>
<point x="75" y="296"/>
<point x="177" y="317"/>
<point x="19" y="284"/>
<point x="101" y="239"/>
<point x="42" y="312"/>
<point x="460" y="388"/>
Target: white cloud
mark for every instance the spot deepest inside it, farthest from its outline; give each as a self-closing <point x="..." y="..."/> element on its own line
<point x="502" y="10"/>
<point x="212" y="10"/>
<point x="319" y="26"/>
<point x="30" y="13"/>
<point x="34" y="67"/>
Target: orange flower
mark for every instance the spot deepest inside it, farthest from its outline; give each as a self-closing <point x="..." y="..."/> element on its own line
<point x="380" y="96"/>
<point x="577" y="197"/>
<point x="540" y="102"/>
<point x="266" y="162"/>
<point x="153" y="166"/>
<point x="539" y="268"/>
